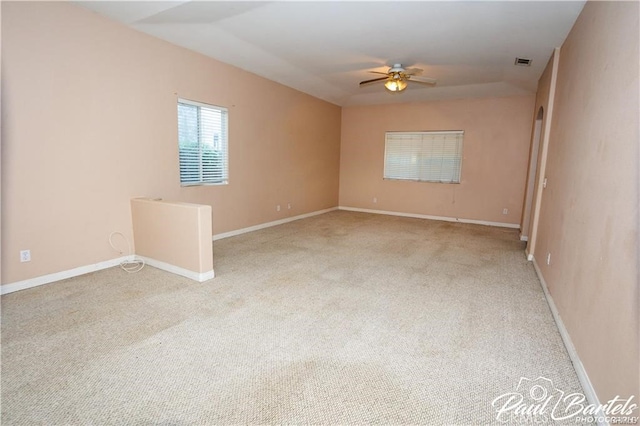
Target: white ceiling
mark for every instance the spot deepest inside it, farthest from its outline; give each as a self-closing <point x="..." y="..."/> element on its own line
<point x="326" y="48"/>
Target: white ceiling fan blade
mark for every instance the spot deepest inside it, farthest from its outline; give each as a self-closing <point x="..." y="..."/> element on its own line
<point x="413" y="71"/>
<point x="423" y="80"/>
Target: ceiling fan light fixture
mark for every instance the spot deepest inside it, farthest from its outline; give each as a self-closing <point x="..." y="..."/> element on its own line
<point x="394" y="85"/>
<point x="397" y="78"/>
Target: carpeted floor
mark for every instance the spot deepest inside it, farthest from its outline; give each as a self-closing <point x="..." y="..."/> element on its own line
<point x="343" y="318"/>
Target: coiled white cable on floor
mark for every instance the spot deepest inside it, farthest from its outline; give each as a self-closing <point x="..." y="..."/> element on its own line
<point x="131" y="266"/>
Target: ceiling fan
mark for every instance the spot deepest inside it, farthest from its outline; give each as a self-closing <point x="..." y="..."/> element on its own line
<point x="397" y="77"/>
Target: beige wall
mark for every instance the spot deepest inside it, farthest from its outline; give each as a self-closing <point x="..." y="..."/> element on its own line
<point x="89" y="121"/>
<point x="494" y="165"/>
<point x="175" y="233"/>
<point x="589" y="210"/>
<point x="544" y="106"/>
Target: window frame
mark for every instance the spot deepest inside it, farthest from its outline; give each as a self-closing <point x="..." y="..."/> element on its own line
<point x="224" y="136"/>
<point x="422" y="155"/>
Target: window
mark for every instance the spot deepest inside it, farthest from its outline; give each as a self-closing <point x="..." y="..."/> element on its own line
<point x="202" y="141"/>
<point x="423" y="156"/>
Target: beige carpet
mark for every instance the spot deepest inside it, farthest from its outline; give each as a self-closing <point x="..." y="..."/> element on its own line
<point x="343" y="318"/>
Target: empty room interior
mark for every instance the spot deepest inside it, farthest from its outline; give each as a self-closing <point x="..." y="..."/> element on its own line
<point x="320" y="212"/>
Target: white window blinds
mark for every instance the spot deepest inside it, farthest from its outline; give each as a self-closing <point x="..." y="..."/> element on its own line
<point x="202" y="141"/>
<point x="423" y="156"/>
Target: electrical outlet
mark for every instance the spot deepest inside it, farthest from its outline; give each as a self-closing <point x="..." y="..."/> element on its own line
<point x="544" y="183"/>
<point x="288" y="206"/>
<point x="548" y="258"/>
<point x="278" y="208"/>
<point x="505" y="211"/>
<point x="25" y="255"/>
<point x="375" y="200"/>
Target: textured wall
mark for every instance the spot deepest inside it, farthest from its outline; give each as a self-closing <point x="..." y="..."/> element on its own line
<point x="89" y="121"/>
<point x="589" y="210"/>
<point x="494" y="164"/>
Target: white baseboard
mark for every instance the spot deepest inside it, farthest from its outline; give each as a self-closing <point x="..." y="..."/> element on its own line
<point x="529" y="255"/>
<point x="587" y="387"/>
<point x="270" y="224"/>
<point x="196" y="276"/>
<point x="63" y="275"/>
<point x="425" y="216"/>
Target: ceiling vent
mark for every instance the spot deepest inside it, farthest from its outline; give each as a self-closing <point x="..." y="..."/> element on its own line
<point x="523" y="62"/>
